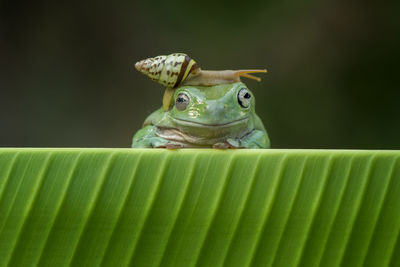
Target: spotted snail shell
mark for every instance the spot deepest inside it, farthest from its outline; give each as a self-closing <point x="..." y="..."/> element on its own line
<point x="170" y="70"/>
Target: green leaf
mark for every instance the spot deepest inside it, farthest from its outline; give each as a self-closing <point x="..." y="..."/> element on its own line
<point x="152" y="207"/>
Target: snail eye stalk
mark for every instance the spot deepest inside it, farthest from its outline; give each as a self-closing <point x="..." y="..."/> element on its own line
<point x="245" y="73"/>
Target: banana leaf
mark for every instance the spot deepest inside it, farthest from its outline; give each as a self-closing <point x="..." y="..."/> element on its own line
<point x="199" y="207"/>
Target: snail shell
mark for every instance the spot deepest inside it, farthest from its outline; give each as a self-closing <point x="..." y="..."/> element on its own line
<point x="170" y="70"/>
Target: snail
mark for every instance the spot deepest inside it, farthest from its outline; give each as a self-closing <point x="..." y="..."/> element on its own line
<point x="179" y="69"/>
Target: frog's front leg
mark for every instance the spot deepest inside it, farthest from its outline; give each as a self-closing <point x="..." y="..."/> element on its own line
<point x="147" y="138"/>
<point x="255" y="139"/>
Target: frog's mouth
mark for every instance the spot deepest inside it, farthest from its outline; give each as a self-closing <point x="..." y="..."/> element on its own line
<point x="210" y="125"/>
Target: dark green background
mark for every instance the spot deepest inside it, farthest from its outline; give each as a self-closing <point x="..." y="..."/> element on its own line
<point x="67" y="76"/>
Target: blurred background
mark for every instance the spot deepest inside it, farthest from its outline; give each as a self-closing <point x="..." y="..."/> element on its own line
<point x="67" y="76"/>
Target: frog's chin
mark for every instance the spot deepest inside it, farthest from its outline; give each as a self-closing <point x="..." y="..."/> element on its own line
<point x="188" y="123"/>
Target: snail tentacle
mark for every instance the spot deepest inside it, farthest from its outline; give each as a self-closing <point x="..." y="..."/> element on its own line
<point x="245" y="73"/>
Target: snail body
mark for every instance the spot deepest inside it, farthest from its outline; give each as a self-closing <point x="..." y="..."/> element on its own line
<point x="215" y="77"/>
<point x="179" y="69"/>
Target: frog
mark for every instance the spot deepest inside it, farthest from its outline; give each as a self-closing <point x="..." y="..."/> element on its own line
<point x="221" y="116"/>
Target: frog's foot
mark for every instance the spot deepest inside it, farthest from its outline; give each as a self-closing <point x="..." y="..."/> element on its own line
<point x="171" y="145"/>
<point x="229" y="143"/>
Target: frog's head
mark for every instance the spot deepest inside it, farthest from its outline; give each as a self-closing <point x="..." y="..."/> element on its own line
<point x="223" y="106"/>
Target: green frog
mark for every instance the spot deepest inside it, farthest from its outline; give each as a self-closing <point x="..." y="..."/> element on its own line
<point x="219" y="116"/>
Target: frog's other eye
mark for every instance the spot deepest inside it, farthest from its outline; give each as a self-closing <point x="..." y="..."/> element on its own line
<point x="182" y="101"/>
<point x="244" y="97"/>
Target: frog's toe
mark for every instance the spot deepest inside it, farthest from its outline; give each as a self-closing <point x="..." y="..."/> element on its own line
<point x="233" y="143"/>
<point x="220" y="146"/>
<point x="170" y="145"/>
<point x="224" y="145"/>
<point x="174" y="145"/>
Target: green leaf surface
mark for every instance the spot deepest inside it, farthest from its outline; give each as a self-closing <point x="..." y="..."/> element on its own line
<point x="155" y="207"/>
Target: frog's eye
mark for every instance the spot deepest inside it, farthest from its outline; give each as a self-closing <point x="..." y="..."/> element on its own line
<point x="182" y="101"/>
<point x="244" y="97"/>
